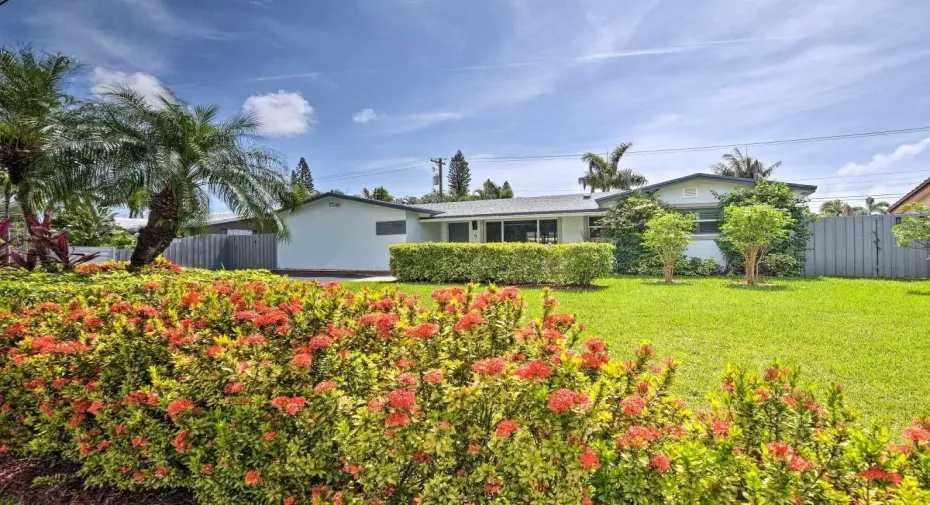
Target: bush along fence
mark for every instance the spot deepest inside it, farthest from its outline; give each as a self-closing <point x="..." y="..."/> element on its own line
<point x="514" y="263"/>
<point x="270" y="391"/>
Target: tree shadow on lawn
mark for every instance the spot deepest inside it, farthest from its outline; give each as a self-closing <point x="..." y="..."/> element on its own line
<point x="660" y="282"/>
<point x="758" y="287"/>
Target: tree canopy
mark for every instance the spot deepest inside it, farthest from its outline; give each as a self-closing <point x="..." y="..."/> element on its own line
<point x="737" y="164"/>
<point x="754" y="230"/>
<point x="606" y="175"/>
<point x="459" y="176"/>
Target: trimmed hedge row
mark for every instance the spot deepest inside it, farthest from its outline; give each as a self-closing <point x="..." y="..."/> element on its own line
<point x="502" y="263"/>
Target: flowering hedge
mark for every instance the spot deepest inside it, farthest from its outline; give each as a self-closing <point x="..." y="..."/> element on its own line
<point x="273" y="391"/>
<point x="503" y="263"/>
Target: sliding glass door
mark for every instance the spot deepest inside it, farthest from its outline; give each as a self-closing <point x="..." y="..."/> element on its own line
<point x="542" y="231"/>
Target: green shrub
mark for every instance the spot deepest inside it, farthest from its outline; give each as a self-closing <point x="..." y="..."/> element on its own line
<point x="504" y="263"/>
<point x="275" y="391"/>
<point x="624" y="225"/>
<point x="780" y="265"/>
<point x="686" y="266"/>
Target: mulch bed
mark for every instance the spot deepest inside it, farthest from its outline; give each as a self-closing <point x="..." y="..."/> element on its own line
<point x="17" y="474"/>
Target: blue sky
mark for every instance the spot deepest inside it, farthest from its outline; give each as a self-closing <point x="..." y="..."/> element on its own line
<point x="356" y="85"/>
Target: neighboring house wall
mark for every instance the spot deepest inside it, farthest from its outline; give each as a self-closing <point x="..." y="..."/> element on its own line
<point x="921" y="196"/>
<point x="340" y="237"/>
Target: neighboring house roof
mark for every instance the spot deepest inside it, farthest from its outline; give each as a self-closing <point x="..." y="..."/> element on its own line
<point x="794" y="187"/>
<point x="554" y="204"/>
<point x="910" y="194"/>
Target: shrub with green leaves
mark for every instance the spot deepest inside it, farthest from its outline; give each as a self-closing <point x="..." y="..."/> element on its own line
<point x="272" y="391"/>
<point x="754" y="231"/>
<point x="668" y="235"/>
<point x="503" y="263"/>
<point x="624" y="225"/>
<point x="914" y="229"/>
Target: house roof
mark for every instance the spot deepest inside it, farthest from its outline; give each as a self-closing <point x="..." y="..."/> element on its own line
<point x="422" y="209"/>
<point x="553" y="204"/>
<point x="904" y="199"/>
<point x="795" y="187"/>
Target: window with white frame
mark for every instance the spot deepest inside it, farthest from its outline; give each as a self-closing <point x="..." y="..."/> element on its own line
<point x="707" y="221"/>
<point x="595" y="227"/>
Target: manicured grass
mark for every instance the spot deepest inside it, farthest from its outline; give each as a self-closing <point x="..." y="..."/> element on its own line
<point x="871" y="336"/>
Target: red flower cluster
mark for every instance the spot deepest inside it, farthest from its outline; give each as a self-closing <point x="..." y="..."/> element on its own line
<point x="253" y="477"/>
<point x="179" y="407"/>
<point x="319" y="341"/>
<point x="633" y="406"/>
<point x="588" y="458"/>
<point x="660" y="463"/>
<point x="490" y="366"/>
<point x="876" y="474"/>
<point x="469" y="321"/>
<point x="324" y="386"/>
<point x="534" y="370"/>
<point x="507" y="428"/>
<point x="302" y="360"/>
<point x="433" y="376"/>
<point x="383" y="322"/>
<point x="402" y="399"/>
<point x="448" y="295"/>
<point x="290" y="405"/>
<point x="563" y="400"/>
<point x="423" y="330"/>
<point x="596" y="355"/>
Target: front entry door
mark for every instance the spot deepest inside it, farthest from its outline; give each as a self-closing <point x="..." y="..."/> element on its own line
<point x="458" y="232"/>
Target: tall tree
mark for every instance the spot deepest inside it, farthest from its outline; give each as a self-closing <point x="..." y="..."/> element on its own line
<point x="607" y="175"/>
<point x="836" y="208"/>
<point x="459" y="176"/>
<point x="381" y="194"/>
<point x="506" y="190"/>
<point x="873" y="207"/>
<point x="38" y="130"/>
<point x="737" y="164"/>
<point x="172" y="157"/>
<point x="491" y="191"/>
<point x="302" y="176"/>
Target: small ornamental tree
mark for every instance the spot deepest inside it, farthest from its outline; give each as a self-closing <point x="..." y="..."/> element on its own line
<point x="667" y="235"/>
<point x="753" y="231"/>
<point x="914" y="229"/>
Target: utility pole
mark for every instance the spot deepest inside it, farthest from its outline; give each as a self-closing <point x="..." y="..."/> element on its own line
<point x="439" y="162"/>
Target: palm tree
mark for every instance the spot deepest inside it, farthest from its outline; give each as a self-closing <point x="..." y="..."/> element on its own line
<point x="170" y="158"/>
<point x="874" y="207"/>
<point x="738" y="164"/>
<point x="606" y="175"/>
<point x="39" y="153"/>
<point x="832" y="208"/>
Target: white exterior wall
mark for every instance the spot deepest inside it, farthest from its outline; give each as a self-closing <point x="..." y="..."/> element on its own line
<point x="572" y="229"/>
<point x="341" y="238"/>
<point x="705" y="247"/>
<point x="674" y="194"/>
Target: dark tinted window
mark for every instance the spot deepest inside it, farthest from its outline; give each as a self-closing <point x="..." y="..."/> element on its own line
<point x="520" y="231"/>
<point x="492" y="231"/>
<point x="390" y="227"/>
<point x="458" y="232"/>
<point x="549" y="231"/>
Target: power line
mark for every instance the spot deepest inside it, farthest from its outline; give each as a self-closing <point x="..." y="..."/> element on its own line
<point x="340" y="178"/>
<point x="375" y="170"/>
<point x="901" y="131"/>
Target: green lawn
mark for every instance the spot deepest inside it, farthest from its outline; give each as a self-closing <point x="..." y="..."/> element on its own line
<point x="869" y="335"/>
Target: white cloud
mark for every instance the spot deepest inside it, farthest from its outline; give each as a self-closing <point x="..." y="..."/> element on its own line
<point x="882" y="161"/>
<point x="145" y="84"/>
<point x="282" y="114"/>
<point x="365" y="116"/>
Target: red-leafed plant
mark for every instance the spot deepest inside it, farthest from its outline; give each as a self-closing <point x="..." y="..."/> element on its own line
<point x="46" y="247"/>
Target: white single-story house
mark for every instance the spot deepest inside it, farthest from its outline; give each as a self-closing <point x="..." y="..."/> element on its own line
<point x="337" y="232"/>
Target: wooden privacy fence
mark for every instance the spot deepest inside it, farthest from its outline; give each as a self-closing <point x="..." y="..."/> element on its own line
<point x="862" y="246"/>
<point x="214" y="252"/>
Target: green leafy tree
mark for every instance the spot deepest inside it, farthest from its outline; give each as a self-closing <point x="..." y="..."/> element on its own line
<point x="506" y="190"/>
<point x="91" y="224"/>
<point x="876" y="207"/>
<point x="606" y="175"/>
<point x="459" y="176"/>
<point x="914" y="229"/>
<point x="668" y="235"/>
<point x="754" y="231"/>
<point x="780" y="196"/>
<point x="624" y="225"/>
<point x="302" y="176"/>
<point x="171" y="157"/>
<point x="381" y="194"/>
<point x="742" y="165"/>
<point x="837" y="208"/>
<point x="40" y="151"/>
<point x="491" y="191"/>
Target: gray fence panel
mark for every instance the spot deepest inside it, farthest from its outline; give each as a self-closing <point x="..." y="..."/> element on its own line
<point x="862" y="246"/>
<point x="213" y="252"/>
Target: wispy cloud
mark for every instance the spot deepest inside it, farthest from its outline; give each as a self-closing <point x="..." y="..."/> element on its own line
<point x="159" y="17"/>
<point x="881" y="162"/>
<point x="365" y="116"/>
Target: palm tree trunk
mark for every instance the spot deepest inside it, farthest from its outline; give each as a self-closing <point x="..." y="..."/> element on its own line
<point x="158" y="233"/>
